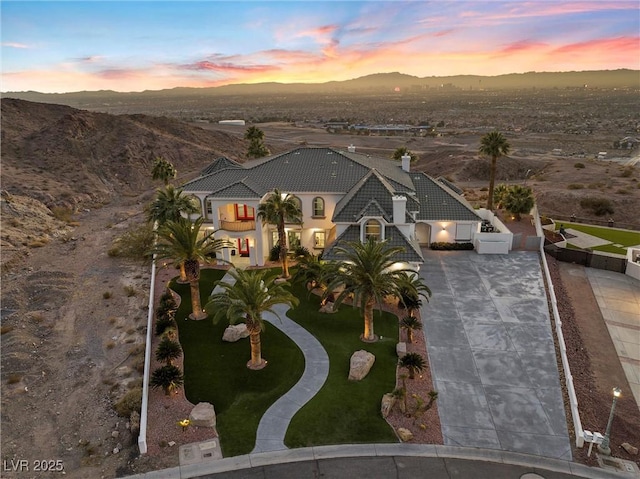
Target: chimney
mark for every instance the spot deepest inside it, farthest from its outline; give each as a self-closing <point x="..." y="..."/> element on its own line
<point x="399" y="209"/>
<point x="351" y="149"/>
<point x="406" y="162"/>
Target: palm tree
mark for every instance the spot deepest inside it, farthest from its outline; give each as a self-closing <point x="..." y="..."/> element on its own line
<point x="412" y="287"/>
<point x="168" y="377"/>
<point x="169" y="205"/>
<point x="410" y="324"/>
<point x="312" y="271"/>
<point x="519" y="200"/>
<point x="278" y="209"/>
<point x="412" y="362"/>
<point x="403" y="150"/>
<point x="168" y="351"/>
<point x="246" y="298"/>
<point x="182" y="241"/>
<point x="499" y="194"/>
<point x="257" y="149"/>
<point x="495" y="145"/>
<point x="163" y="170"/>
<point x="364" y="272"/>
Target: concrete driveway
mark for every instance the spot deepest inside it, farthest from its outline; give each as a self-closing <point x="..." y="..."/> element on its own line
<point x="492" y="353"/>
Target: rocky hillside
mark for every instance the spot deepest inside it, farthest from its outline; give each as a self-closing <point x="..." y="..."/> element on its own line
<point x="61" y="156"/>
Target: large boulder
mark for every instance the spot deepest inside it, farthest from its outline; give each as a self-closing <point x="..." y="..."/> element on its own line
<point x="203" y="415"/>
<point x="235" y="332"/>
<point x="360" y="364"/>
<point x="388" y="400"/>
<point x="401" y="349"/>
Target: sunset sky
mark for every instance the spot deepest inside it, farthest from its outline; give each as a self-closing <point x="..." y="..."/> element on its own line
<point x="151" y="45"/>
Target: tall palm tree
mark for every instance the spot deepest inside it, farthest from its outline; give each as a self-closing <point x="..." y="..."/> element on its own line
<point x="163" y="170"/>
<point x="246" y="298"/>
<point x="364" y="271"/>
<point x="495" y="145"/>
<point x="169" y="205"/>
<point x="182" y="241"/>
<point x="412" y="287"/>
<point x="278" y="209"/>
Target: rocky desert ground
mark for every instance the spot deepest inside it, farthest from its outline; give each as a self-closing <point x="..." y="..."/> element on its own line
<point x="73" y="318"/>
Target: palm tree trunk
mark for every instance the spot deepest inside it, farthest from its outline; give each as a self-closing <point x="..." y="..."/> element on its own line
<point x="368" y="334"/>
<point x="282" y="239"/>
<point x="256" y="361"/>
<point x="192" y="268"/>
<point x="183" y="274"/>
<point x="409" y="335"/>
<point x="412" y="373"/>
<point x="492" y="182"/>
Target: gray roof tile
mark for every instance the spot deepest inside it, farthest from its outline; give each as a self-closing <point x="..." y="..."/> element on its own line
<point x="439" y="203"/>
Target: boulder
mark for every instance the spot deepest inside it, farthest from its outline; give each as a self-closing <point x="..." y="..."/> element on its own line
<point x="203" y="415"/>
<point x="404" y="434"/>
<point x="629" y="448"/>
<point x="388" y="400"/>
<point x="401" y="349"/>
<point x="235" y="332"/>
<point x="327" y="308"/>
<point x="360" y="364"/>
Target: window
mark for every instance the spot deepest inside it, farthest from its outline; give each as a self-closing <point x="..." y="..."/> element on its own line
<point x="318" y="207"/>
<point x="244" y="212"/>
<point x="209" y="209"/>
<point x="297" y="201"/>
<point x="372" y="229"/>
<point x="318" y="239"/>
<point x="293" y="239"/>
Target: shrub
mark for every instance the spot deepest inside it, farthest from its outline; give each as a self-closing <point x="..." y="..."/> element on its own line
<point x="575" y="186"/>
<point x="169" y="378"/>
<point x="134" y="243"/>
<point x="274" y="253"/>
<point x="130" y="290"/>
<point x="167" y="302"/>
<point x="168" y="351"/>
<point x="14" y="378"/>
<point x="62" y="213"/>
<point x="107" y="295"/>
<point x="578" y="165"/>
<point x="442" y="246"/>
<point x="130" y="402"/>
<point x="301" y="251"/>
<point x="598" y="206"/>
<point x="165" y="322"/>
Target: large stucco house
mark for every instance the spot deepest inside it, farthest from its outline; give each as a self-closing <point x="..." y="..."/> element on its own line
<point x="344" y="196"/>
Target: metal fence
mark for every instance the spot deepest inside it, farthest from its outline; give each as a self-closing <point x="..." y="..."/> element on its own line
<point x="587" y="258"/>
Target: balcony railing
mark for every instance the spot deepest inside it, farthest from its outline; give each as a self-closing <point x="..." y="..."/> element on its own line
<point x="237" y="225"/>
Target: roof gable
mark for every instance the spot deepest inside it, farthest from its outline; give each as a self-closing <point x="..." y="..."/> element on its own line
<point x="372" y="187"/>
<point x="439" y="203"/>
<point x="219" y="164"/>
<point x="239" y="189"/>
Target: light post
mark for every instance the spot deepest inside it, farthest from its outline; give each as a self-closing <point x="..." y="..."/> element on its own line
<point x="604" y="447"/>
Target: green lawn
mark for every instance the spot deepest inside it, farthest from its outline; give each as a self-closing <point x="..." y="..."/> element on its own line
<point x="216" y="372"/>
<point x="625" y="238"/>
<point x="345" y="411"/>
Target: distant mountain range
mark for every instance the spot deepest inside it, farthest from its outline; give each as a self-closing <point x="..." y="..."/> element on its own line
<point x="378" y="82"/>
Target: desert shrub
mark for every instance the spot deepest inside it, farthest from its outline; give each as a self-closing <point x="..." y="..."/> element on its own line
<point x="627" y="172"/>
<point x="575" y="186"/>
<point x="107" y="295"/>
<point x="578" y="165"/>
<point x="164" y="322"/>
<point x="62" y="213"/>
<point x="130" y="290"/>
<point x="134" y="243"/>
<point x="14" y="378"/>
<point x="598" y="206"/>
<point x="623" y="191"/>
<point x="130" y="402"/>
<point x="167" y="302"/>
<point x="443" y="246"/>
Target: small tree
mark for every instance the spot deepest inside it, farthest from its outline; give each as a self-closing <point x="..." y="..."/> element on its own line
<point x="518" y="200"/>
<point x="403" y="150"/>
<point x="414" y="363"/>
<point x="163" y="170"/>
<point x="168" y="351"/>
<point x="499" y="194"/>
<point x="257" y="148"/>
<point x="410" y="324"/>
<point x="169" y="378"/>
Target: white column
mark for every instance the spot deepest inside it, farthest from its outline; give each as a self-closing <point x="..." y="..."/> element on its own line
<point x="259" y="243"/>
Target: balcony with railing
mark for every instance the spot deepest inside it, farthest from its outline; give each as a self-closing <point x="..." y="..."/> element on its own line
<point x="246" y="225"/>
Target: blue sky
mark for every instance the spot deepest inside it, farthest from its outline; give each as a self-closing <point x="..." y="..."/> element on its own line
<point x="133" y="46"/>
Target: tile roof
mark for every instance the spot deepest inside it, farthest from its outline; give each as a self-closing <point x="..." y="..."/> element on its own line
<point x="372" y="187"/>
<point x="219" y="164"/>
<point x="395" y="238"/>
<point x="439" y="203"/>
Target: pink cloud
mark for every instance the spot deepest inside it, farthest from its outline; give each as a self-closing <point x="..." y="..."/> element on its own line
<point x="15" y="45"/>
<point x="228" y="67"/>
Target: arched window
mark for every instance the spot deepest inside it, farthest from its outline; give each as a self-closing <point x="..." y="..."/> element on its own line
<point x="318" y="207"/>
<point x="297" y="201"/>
<point x="372" y="229"/>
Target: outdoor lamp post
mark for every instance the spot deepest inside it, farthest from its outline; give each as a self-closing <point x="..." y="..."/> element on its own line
<point x="604" y="447"/>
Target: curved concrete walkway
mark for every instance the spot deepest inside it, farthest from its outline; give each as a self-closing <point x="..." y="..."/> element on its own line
<point x="275" y="421"/>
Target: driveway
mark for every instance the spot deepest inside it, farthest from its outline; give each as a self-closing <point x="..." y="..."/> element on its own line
<point x="492" y="353"/>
